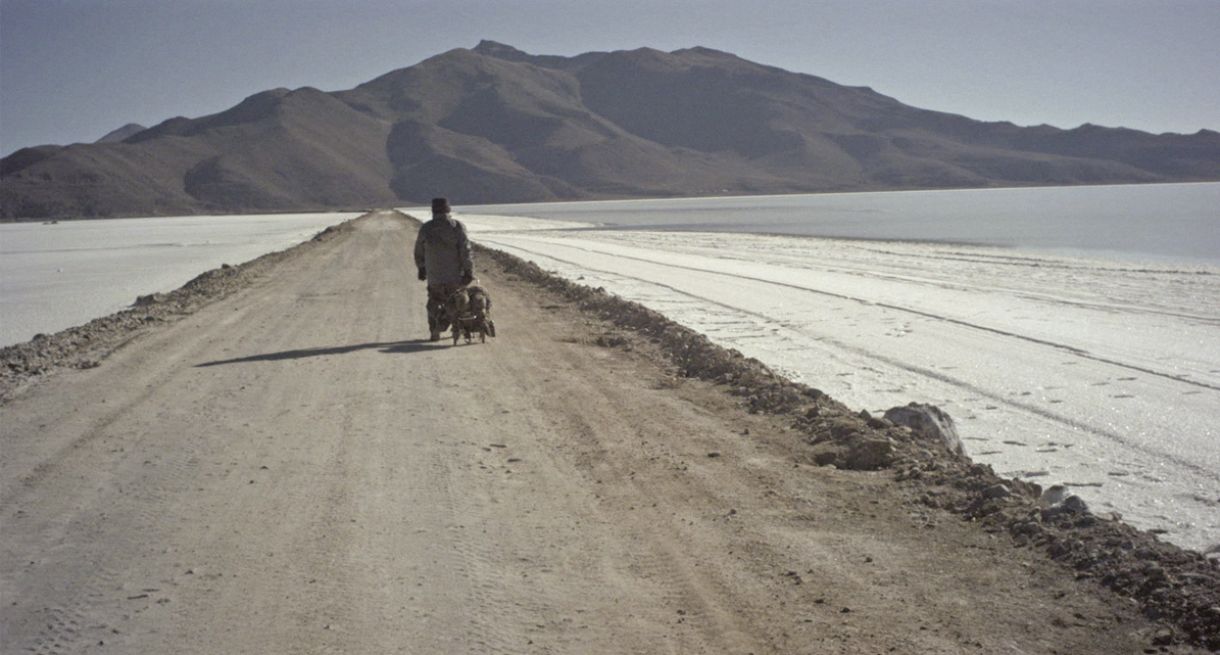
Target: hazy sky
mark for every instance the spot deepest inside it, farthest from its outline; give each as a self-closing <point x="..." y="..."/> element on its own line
<point x="72" y="70"/>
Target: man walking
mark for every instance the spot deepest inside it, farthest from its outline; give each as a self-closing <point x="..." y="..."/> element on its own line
<point x="442" y="255"/>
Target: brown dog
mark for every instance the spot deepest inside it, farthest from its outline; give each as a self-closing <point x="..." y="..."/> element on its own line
<point x="470" y="309"/>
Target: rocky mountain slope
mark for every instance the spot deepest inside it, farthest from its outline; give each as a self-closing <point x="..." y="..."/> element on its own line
<point x="494" y="124"/>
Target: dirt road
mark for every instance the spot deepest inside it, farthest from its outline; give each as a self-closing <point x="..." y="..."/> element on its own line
<point x="293" y="470"/>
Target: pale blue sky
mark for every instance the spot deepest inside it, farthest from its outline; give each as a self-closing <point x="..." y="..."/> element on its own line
<point x="72" y="70"/>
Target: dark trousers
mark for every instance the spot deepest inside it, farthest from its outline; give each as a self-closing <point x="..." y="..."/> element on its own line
<point x="438" y="296"/>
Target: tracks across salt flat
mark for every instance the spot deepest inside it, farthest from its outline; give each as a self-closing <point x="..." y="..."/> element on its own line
<point x="1102" y="375"/>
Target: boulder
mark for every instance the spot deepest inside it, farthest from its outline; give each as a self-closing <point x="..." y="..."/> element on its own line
<point x="1053" y="495"/>
<point x="1072" y="504"/>
<point x="869" y="454"/>
<point x="860" y="454"/>
<point x="998" y="490"/>
<point x="150" y="299"/>
<point x="847" y="427"/>
<point x="928" y="421"/>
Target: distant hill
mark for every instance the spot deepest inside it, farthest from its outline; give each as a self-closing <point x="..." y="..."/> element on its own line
<point x="494" y="124"/>
<point x="127" y="130"/>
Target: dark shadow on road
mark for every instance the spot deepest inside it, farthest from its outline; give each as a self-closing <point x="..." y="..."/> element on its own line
<point x="415" y="346"/>
<point x="396" y="347"/>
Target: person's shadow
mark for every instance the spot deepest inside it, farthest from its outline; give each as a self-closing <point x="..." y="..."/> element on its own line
<point x="391" y="347"/>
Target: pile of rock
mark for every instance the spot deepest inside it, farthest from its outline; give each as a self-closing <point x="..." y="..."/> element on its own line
<point x="1172" y="584"/>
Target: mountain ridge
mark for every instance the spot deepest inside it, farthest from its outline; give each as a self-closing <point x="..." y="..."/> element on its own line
<point x="121" y="133"/>
<point x="496" y="124"/>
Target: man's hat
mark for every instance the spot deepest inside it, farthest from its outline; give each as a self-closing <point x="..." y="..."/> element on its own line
<point x="440" y="205"/>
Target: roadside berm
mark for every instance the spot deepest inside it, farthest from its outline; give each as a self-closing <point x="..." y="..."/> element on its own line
<point x="285" y="464"/>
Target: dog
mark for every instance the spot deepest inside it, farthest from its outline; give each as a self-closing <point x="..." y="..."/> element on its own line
<point x="470" y="310"/>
